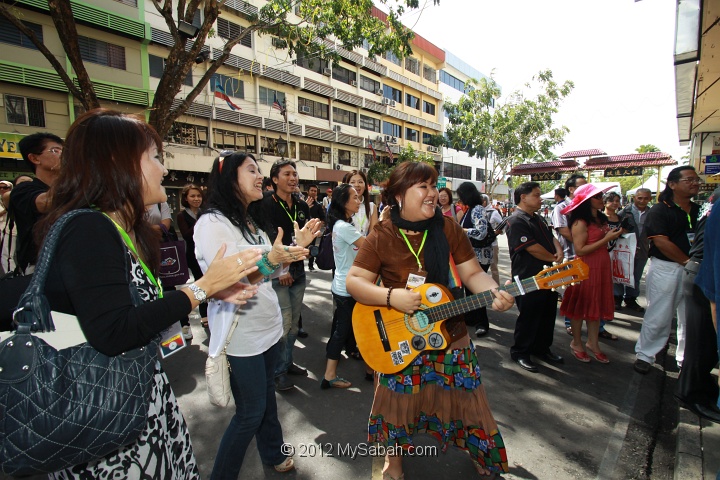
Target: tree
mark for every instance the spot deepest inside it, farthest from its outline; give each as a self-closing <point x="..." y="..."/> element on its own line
<point x="510" y="133"/>
<point x="347" y="21"/>
<point x="379" y="172"/>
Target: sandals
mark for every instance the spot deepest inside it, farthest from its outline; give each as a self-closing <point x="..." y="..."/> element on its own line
<point x="337" y="382"/>
<point x="204" y="322"/>
<point x="569" y="330"/>
<point x="599" y="356"/>
<point x="607" y="335"/>
<point x="580" y="355"/>
<point x="485" y="476"/>
<point x="285" y="466"/>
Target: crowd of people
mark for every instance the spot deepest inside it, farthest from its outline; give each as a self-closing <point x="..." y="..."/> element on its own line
<point x="248" y="237"/>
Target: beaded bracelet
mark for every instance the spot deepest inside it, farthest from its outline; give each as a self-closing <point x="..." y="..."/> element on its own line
<point x="388" y="296"/>
<point x="265" y="267"/>
<point x="266" y="259"/>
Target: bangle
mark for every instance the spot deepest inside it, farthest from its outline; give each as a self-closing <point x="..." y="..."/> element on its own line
<point x="266" y="259"/>
<point x="388" y="297"/>
<point x="265" y="267"/>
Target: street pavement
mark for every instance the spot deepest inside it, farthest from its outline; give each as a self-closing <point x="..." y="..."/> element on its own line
<point x="569" y="421"/>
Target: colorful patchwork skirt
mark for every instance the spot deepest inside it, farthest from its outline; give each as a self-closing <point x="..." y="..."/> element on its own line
<point x="440" y="393"/>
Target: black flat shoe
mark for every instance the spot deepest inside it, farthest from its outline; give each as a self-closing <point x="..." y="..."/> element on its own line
<point x="481" y="331"/>
<point x="527" y="364"/>
<point x="550" y="357"/>
<point x="708" y="412"/>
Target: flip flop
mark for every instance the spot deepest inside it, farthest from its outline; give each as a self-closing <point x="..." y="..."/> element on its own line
<point x="337" y="382"/>
<point x="204" y="322"/>
<point x="582" y="356"/>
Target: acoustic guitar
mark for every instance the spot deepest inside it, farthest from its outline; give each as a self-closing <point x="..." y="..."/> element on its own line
<point x="390" y="340"/>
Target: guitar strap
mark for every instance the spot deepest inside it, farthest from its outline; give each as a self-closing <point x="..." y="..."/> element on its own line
<point x="455" y="326"/>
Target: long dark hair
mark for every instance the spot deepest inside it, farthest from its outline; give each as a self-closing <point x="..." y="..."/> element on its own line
<point x="469" y="195"/>
<point x="224" y="193"/>
<point x="100" y="168"/>
<point x="341" y="196"/>
<point x="584" y="212"/>
<point x="673" y="176"/>
<point x="366" y="193"/>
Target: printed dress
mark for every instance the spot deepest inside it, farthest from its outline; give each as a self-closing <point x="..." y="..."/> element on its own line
<point x="440" y="393"/>
<point x="592" y="299"/>
<point x="163" y="450"/>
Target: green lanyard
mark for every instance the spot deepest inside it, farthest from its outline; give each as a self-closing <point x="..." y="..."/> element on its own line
<point x="292" y="219"/>
<point x="130" y="245"/>
<point x="688" y="216"/>
<point x="417" y="255"/>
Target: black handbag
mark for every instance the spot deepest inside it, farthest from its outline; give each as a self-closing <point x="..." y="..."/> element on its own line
<point x="60" y="408"/>
<point x="325" y="259"/>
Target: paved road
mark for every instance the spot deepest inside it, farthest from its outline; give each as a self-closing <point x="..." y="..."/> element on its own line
<point x="570" y="421"/>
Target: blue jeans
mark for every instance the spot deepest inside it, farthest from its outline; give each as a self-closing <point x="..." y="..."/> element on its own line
<point x="290" y="300"/>
<point x="341" y="326"/>
<point x="252" y="380"/>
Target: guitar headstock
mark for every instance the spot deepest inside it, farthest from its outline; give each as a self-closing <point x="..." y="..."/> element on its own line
<point x="573" y="271"/>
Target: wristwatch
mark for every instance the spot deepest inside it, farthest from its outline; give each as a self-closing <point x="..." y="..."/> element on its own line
<point x="199" y="294"/>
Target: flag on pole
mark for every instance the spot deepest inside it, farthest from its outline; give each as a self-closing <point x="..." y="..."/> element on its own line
<point x="276" y="104"/>
<point x="387" y="146"/>
<point x="220" y="93"/>
<point x="372" y="149"/>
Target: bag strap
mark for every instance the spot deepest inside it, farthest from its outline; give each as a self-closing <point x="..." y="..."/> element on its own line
<point x="33" y="310"/>
<point x="230" y="333"/>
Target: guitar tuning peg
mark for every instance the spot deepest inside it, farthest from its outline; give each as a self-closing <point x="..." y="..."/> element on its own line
<point x="546" y="266"/>
<point x="554" y="289"/>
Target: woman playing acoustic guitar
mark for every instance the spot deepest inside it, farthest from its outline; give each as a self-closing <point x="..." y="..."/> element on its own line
<point x="416" y="245"/>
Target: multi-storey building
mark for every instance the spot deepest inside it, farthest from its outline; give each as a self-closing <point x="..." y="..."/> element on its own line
<point x="334" y="112"/>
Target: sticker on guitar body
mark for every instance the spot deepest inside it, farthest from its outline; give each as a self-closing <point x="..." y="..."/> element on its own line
<point x="404" y="347"/>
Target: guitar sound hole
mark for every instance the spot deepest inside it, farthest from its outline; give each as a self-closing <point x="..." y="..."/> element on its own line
<point x="418" y="323"/>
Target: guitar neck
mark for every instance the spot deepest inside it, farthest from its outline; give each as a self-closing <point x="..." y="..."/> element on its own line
<point x="479" y="300"/>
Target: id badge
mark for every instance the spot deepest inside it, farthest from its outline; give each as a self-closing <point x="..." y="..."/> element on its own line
<point x="416" y="279"/>
<point x="691" y="237"/>
<point x="171" y="340"/>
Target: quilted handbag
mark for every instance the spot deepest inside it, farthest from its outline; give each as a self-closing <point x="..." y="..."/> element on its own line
<point x="60" y="408"/>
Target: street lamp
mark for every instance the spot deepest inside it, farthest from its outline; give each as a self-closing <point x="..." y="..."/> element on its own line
<point x="282" y="146"/>
<point x="187" y="30"/>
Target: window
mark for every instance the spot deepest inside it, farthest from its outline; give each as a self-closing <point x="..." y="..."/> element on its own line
<point x="412" y="101"/>
<point x="370" y="123"/>
<point x="131" y="3"/>
<point x="391" y="57"/>
<point x="392" y="129"/>
<point x="157" y="67"/>
<point x="229" y="31"/>
<point x="313" y="108"/>
<point x="311" y="153"/>
<point x="228" y="140"/>
<point x="429" y="73"/>
<point x="314" y="64"/>
<point x="25" y="111"/>
<point x="188" y="134"/>
<point x="102" y="53"/>
<point x="392" y="93"/>
<point x="344" y="157"/>
<point x="426" y="137"/>
<point x="412" y="65"/>
<point x="344" y="116"/>
<point x="411" y="134"/>
<point x="343" y="74"/>
<point x="232" y="86"/>
<point x="368" y="84"/>
<point x="479" y="174"/>
<point x="269" y="146"/>
<point x="13" y="36"/>
<point x="457" y="171"/>
<point x="267" y="96"/>
<point x="454" y="82"/>
<point x="428" y="107"/>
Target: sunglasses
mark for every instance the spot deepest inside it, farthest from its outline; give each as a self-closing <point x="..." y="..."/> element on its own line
<point x="599" y="196"/>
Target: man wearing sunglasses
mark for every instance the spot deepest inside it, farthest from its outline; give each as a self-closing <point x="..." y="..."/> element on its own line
<point x="29" y="200"/>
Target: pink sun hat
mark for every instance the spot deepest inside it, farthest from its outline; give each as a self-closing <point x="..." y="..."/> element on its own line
<point x="583" y="193"/>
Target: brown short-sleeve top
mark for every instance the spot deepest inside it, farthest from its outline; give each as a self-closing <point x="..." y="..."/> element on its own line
<point x="385" y="251"/>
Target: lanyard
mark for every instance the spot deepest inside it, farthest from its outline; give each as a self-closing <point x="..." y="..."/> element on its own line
<point x="130" y="245"/>
<point x="417" y="255"/>
<point x="361" y="222"/>
<point x="292" y="218"/>
<point x="688" y="216"/>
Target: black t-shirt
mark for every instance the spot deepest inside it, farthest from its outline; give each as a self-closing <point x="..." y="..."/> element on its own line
<point x="317" y="211"/>
<point x="523" y="231"/>
<point x="26" y="214"/>
<point x="277" y="213"/>
<point x="667" y="219"/>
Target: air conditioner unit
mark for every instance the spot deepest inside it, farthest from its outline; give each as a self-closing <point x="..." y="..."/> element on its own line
<point x="338" y="167"/>
<point x="433" y="149"/>
<point x="279" y="42"/>
<point x="327" y="72"/>
<point x="327" y="150"/>
<point x="353" y="83"/>
<point x="380" y="138"/>
<point x="392" y="103"/>
<point x="379" y="91"/>
<point x="393" y="140"/>
<point x="388" y="139"/>
<point x="336" y="128"/>
<point x="304" y="109"/>
<point x="386" y="101"/>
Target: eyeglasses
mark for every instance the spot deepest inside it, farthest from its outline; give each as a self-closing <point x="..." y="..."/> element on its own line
<point x="692" y="180"/>
<point x="4" y="187"/>
<point x="55" y="151"/>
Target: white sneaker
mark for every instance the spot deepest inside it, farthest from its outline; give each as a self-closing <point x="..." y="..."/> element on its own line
<point x="187" y="334"/>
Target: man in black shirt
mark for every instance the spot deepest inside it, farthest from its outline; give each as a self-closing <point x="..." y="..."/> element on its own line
<point x="316" y="211"/>
<point x="671" y="229"/>
<point x="532" y="246"/>
<point x="29" y="200"/>
<point x="282" y="209"/>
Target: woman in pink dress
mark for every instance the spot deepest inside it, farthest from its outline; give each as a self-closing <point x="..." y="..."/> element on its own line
<point x="591" y="300"/>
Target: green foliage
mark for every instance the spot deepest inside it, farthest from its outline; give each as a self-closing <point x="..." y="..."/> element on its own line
<point x="509" y="133"/>
<point x="648" y="148"/>
<point x="380" y="172"/>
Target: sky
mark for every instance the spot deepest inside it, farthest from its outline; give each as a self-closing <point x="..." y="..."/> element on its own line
<point x="618" y="53"/>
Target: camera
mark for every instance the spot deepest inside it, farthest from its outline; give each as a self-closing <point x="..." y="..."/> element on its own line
<point x="625" y="224"/>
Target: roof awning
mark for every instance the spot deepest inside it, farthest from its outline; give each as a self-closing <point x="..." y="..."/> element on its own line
<point x="651" y="159"/>
<point x="545" y="167"/>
